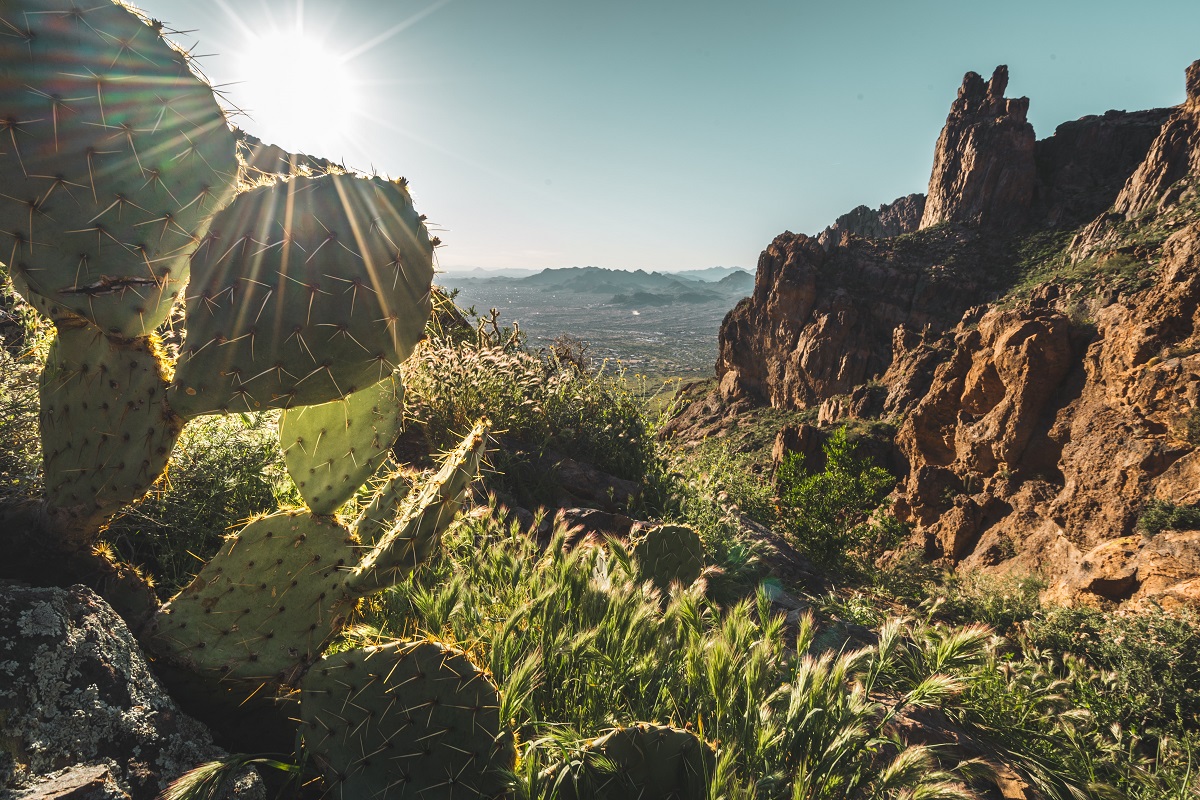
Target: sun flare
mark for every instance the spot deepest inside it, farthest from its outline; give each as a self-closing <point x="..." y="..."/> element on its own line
<point x="299" y="91"/>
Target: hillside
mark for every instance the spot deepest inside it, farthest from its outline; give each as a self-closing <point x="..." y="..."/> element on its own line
<point x="1029" y="325"/>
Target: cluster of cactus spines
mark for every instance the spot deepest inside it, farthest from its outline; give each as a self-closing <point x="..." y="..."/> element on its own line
<point x="667" y="554"/>
<point x="305" y="290"/>
<point x="266" y="605"/>
<point x="106" y="431"/>
<point x="407" y="719"/>
<point x="334" y="448"/>
<point x="647" y="760"/>
<point x="379" y="516"/>
<point x="113" y="157"/>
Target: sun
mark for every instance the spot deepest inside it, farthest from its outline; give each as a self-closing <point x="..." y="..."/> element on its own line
<point x="298" y="91"/>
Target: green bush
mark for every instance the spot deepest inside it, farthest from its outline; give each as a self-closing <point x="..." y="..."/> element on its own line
<point x="831" y="514"/>
<point x="1159" y="516"/>
<point x="542" y="409"/>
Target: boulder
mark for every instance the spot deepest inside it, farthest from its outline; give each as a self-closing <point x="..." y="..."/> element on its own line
<point x="81" y="715"/>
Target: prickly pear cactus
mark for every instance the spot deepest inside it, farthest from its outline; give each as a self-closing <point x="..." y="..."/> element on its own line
<point x="385" y="507"/>
<point x="407" y="719"/>
<point x="265" y="604"/>
<point x="430" y="511"/>
<point x="106" y="430"/>
<point x="332" y="449"/>
<point x="650" y="761"/>
<point x="269" y="602"/>
<point x="113" y="158"/>
<point x="667" y="554"/>
<point x="304" y="291"/>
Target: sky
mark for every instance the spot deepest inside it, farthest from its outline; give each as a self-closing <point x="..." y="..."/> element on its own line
<point x="659" y="134"/>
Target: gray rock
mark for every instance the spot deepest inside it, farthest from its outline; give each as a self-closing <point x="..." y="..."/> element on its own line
<point x="81" y="715"/>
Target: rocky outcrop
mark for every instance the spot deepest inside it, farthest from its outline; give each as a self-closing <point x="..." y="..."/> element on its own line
<point x="983" y="167"/>
<point x="1041" y="440"/>
<point x="1174" y="155"/>
<point x="901" y="216"/>
<point x="1083" y="167"/>
<point x="820" y="322"/>
<point x="80" y="713"/>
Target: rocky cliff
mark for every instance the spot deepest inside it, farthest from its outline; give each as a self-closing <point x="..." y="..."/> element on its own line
<point x="1038" y="337"/>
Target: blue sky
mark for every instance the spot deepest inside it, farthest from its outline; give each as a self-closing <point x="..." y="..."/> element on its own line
<point x="660" y="134"/>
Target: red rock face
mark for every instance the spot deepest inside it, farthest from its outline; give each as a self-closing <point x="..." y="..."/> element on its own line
<point x="1036" y="449"/>
<point x="897" y="218"/>
<point x="821" y="323"/>
<point x="983" y="168"/>
<point x="1034" y="433"/>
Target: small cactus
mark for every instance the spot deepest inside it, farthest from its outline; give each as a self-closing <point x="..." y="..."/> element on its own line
<point x="407" y="719"/>
<point x="264" y="608"/>
<point x="647" y="760"/>
<point x="667" y="554"/>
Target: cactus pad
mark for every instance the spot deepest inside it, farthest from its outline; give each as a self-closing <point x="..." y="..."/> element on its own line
<point x="264" y="606"/>
<point x="650" y="760"/>
<point x="113" y="157"/>
<point x="426" y="515"/>
<point x="106" y="431"/>
<point x="668" y="554"/>
<point x="385" y="506"/>
<point x="405" y="720"/>
<point x="332" y="449"/>
<point x="304" y="292"/>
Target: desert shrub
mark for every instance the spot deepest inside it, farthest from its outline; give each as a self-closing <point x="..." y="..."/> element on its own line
<point x="1159" y="516"/>
<point x="20" y="445"/>
<point x="542" y="409"/>
<point x="832" y="514"/>
<point x="1001" y="601"/>
<point x="1153" y="657"/>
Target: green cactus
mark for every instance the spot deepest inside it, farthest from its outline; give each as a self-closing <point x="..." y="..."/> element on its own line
<point x="385" y="507"/>
<point x="668" y="554"/>
<point x="106" y="430"/>
<point x="113" y="157"/>
<point x="267" y="604"/>
<point x="406" y="719"/>
<point x="642" y="760"/>
<point x="304" y="292"/>
<point x="332" y="449"/>
<point x="425" y="516"/>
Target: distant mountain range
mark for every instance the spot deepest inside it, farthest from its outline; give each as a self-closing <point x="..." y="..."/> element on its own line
<point x="633" y="289"/>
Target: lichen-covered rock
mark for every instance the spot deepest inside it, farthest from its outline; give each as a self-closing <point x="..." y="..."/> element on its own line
<point x="75" y="690"/>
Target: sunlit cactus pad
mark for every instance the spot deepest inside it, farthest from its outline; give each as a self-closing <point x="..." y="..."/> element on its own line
<point x="405" y="720"/>
<point x="332" y="449"/>
<point x="377" y="519"/>
<point x="113" y="157"/>
<point x="106" y="431"/>
<point x="265" y="605"/>
<point x="668" y="554"/>
<point x="304" y="292"/>
<point x="426" y="513"/>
